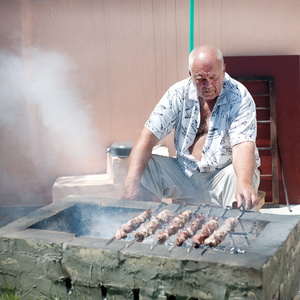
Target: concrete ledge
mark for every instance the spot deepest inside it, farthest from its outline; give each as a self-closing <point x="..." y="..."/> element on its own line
<point x="106" y="185"/>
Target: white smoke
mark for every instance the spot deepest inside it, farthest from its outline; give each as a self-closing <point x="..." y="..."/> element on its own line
<point x="45" y="125"/>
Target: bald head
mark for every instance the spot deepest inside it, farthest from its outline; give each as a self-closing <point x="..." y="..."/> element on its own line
<point x="207" y="71"/>
<point x="206" y="53"/>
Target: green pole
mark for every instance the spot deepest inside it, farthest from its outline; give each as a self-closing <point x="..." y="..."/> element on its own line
<point x="191" y="25"/>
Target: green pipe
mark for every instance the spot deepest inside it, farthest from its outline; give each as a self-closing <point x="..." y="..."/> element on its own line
<point x="191" y="25"/>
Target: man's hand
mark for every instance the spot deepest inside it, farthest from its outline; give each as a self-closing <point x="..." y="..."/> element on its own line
<point x="132" y="191"/>
<point x="245" y="194"/>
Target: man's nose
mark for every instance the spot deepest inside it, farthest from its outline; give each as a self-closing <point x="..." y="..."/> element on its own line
<point x="207" y="82"/>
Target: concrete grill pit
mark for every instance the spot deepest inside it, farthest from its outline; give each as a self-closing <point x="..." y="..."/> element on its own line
<point x="62" y="249"/>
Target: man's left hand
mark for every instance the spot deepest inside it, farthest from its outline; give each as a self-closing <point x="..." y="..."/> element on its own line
<point x="246" y="194"/>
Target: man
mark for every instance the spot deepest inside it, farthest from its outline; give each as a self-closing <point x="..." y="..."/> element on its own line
<point x="214" y="119"/>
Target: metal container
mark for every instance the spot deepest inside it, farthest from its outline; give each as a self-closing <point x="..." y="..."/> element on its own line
<point x="121" y="149"/>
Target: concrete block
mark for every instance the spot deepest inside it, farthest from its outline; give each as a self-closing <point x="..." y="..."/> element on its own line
<point x="121" y="293"/>
<point x="39" y="248"/>
<point x="84" y="292"/>
<point x="41" y="287"/>
<point x="6" y="245"/>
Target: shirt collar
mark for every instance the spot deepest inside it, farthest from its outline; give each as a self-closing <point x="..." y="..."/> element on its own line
<point x="222" y="97"/>
<point x="193" y="96"/>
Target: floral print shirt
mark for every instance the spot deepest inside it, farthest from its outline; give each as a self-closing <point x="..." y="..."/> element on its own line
<point x="232" y="121"/>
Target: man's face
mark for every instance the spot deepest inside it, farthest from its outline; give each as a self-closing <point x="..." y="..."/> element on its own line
<point x="208" y="78"/>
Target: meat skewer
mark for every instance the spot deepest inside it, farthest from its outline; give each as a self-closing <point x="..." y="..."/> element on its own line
<point x="199" y="238"/>
<point x="190" y="230"/>
<point x="131" y="225"/>
<point x="177" y="223"/>
<point x="155" y="223"/>
<point x="219" y="235"/>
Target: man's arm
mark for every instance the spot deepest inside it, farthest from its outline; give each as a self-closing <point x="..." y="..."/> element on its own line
<point x="138" y="159"/>
<point x="244" y="166"/>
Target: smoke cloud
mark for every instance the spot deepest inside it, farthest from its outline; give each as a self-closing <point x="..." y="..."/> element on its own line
<point x="45" y="126"/>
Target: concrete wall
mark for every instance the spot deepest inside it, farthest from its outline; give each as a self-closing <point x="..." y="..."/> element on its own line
<point x="79" y="75"/>
<point x="47" y="264"/>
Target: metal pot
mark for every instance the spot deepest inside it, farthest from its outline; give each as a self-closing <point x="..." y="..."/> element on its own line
<point x="121" y="149"/>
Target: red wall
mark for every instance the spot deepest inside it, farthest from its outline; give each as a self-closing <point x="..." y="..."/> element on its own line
<point x="285" y="70"/>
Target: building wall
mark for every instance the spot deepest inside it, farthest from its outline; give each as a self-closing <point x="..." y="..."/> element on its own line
<point x="79" y="75"/>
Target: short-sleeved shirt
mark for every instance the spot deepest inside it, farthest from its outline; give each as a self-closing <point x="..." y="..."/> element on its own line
<point x="232" y="121"/>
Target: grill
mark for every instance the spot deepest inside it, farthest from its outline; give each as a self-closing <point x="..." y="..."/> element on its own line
<point x="96" y="221"/>
<point x="67" y="248"/>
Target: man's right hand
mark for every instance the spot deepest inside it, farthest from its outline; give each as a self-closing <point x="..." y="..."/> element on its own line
<point x="132" y="191"/>
<point x="138" y="159"/>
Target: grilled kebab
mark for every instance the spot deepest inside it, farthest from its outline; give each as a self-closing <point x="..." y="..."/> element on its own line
<point x="177" y="223"/>
<point x="155" y="223"/>
<point x="132" y="224"/>
<point x="219" y="235"/>
<point x="190" y="230"/>
<point x="199" y="238"/>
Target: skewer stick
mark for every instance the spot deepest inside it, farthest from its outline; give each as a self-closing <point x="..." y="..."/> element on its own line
<point x="207" y="215"/>
<point x="154" y="245"/>
<point x="172" y="247"/>
<point x="176" y="210"/>
<point x="131" y="243"/>
<point x="195" y="214"/>
<point x="242" y="226"/>
<point x="204" y="250"/>
<point x="225" y="211"/>
<point x="180" y="206"/>
<point x="154" y="210"/>
<point x="110" y="240"/>
<point x="173" y="227"/>
<point x="242" y="209"/>
<point x="190" y="248"/>
<point x="161" y="204"/>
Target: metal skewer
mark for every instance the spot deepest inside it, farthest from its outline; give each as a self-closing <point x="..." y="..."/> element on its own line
<point x="240" y="222"/>
<point x="195" y="214"/>
<point x="153" y="245"/>
<point x="172" y="247"/>
<point x="225" y="211"/>
<point x="222" y="216"/>
<point x="110" y="240"/>
<point x="208" y="214"/>
<point x="132" y="242"/>
<point x="204" y="250"/>
<point x="136" y="239"/>
<point x="182" y="204"/>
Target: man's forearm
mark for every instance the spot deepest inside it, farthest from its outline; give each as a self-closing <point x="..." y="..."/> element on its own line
<point x="138" y="160"/>
<point x="244" y="163"/>
<point x="140" y="154"/>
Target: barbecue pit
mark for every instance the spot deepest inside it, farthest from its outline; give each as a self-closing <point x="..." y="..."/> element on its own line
<point x="66" y="248"/>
